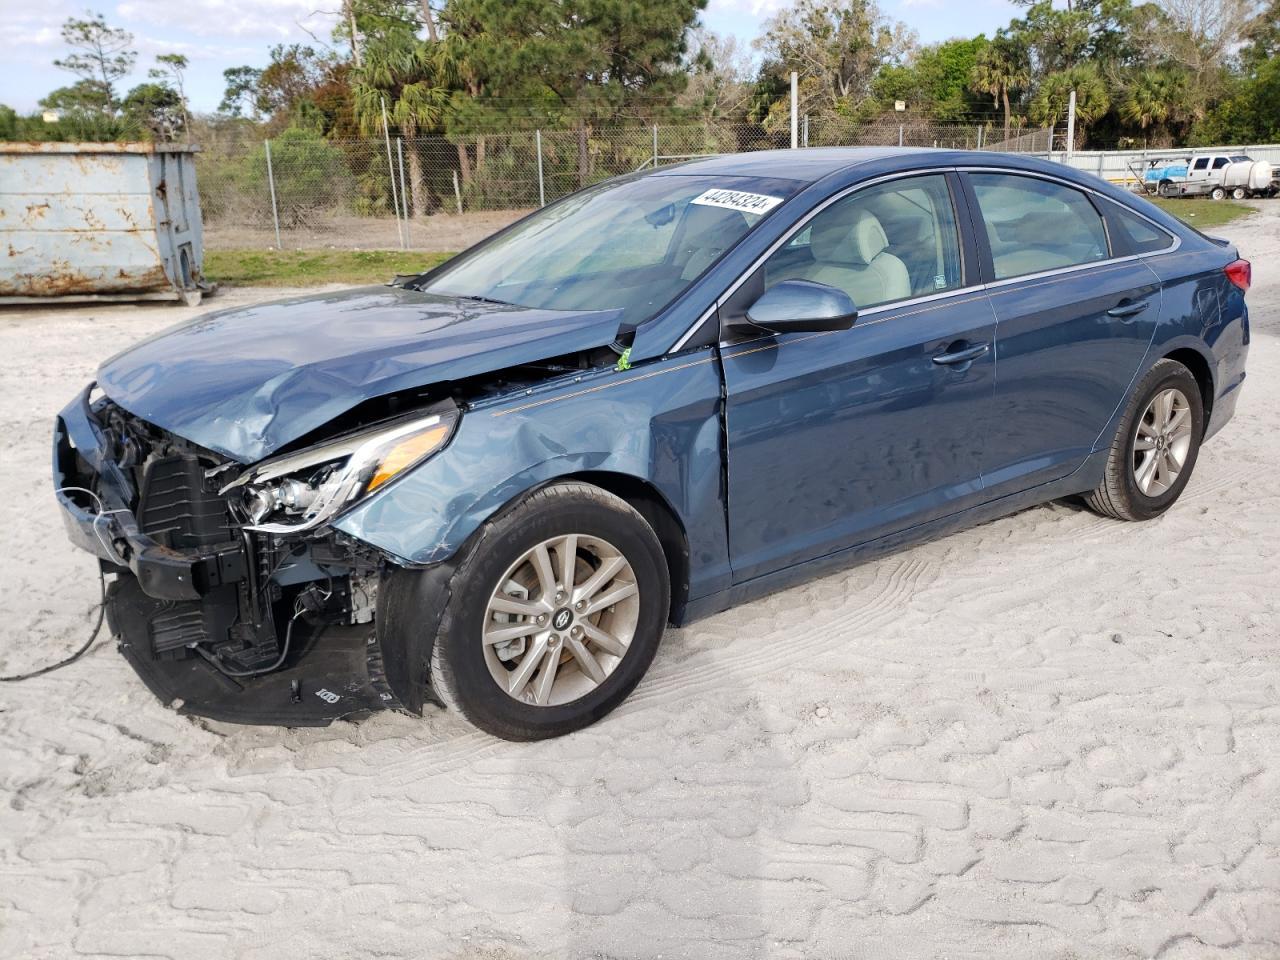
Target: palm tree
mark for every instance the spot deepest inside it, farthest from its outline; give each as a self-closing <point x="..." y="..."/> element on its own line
<point x="1092" y="98"/>
<point x="409" y="79"/>
<point x="1001" y="67"/>
<point x="1147" y="100"/>
<point x="1160" y="100"/>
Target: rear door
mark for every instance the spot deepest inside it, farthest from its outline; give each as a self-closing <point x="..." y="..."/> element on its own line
<point x="837" y="438"/>
<point x="1074" y="319"/>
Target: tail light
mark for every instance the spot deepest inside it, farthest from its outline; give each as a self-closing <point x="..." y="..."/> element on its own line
<point x="1240" y="273"/>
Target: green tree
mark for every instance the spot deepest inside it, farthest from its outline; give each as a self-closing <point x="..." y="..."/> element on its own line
<point x="310" y="176"/>
<point x="1201" y="36"/>
<point x="583" y="62"/>
<point x="1262" y="36"/>
<point x="934" y="81"/>
<point x="83" y="96"/>
<point x="241" y="91"/>
<point x="1000" y="68"/>
<point x="402" y="79"/>
<point x="294" y="72"/>
<point x="837" y="47"/>
<point x="101" y="54"/>
<point x="157" y="108"/>
<point x="1049" y="106"/>
<point x="171" y="70"/>
<point x="298" y="79"/>
<point x="1152" y="99"/>
<point x="1249" y="113"/>
<point x="15" y="126"/>
<point x="1054" y="39"/>
<point x="719" y="69"/>
<point x="1249" y="110"/>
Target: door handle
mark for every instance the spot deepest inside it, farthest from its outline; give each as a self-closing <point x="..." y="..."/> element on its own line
<point x="1127" y="308"/>
<point x="963" y="355"/>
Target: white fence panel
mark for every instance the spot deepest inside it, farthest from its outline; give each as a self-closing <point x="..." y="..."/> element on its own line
<point x="1113" y="165"/>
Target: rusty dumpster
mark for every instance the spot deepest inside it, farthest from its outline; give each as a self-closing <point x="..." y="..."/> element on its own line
<point x="99" y="221"/>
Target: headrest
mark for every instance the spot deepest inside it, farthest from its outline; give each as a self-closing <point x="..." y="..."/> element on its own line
<point x="850" y="236"/>
<point x="701" y="223"/>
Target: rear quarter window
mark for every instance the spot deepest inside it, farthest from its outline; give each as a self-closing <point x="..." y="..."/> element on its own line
<point x="1135" y="234"/>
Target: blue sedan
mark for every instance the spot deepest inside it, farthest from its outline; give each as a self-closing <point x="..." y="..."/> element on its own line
<point x="493" y="485"/>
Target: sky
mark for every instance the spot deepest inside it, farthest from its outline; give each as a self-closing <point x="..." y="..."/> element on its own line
<point x="216" y="34"/>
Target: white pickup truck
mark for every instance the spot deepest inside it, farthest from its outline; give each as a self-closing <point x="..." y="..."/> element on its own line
<point x="1213" y="174"/>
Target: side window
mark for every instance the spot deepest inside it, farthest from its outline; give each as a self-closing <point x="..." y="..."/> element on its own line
<point x="1220" y="162"/>
<point x="889" y="242"/>
<point x="1201" y="164"/>
<point x="1133" y="234"/>
<point x="1035" y="225"/>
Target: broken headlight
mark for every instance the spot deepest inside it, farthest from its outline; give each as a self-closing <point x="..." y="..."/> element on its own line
<point x="301" y="491"/>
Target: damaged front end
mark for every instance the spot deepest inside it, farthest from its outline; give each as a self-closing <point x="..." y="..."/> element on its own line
<point x="231" y="596"/>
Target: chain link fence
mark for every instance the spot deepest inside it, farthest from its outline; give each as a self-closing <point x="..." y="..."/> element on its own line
<point x="301" y="191"/>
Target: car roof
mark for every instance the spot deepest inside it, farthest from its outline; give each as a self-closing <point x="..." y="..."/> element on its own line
<point x="811" y="164"/>
<point x="806" y="166"/>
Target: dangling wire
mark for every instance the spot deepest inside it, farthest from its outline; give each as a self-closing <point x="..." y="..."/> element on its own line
<point x="102" y="595"/>
<point x="97" y="627"/>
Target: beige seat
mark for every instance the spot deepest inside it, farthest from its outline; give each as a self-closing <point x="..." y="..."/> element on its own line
<point x="849" y="246"/>
<point x="708" y="232"/>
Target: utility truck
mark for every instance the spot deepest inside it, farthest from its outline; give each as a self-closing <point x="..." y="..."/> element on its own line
<point x="1215" y="175"/>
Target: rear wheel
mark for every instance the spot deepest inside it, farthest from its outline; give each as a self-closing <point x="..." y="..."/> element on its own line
<point x="1155" y="446"/>
<point x="553" y="615"/>
<point x="1239" y="193"/>
<point x="1218" y="193"/>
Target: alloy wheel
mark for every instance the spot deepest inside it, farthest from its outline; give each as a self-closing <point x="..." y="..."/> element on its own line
<point x="1162" y="442"/>
<point x="560" y="620"/>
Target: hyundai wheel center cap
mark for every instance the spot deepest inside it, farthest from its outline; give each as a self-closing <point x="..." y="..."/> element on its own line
<point x="562" y="618"/>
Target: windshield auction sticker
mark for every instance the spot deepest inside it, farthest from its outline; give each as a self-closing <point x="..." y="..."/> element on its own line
<point x="738" y="200"/>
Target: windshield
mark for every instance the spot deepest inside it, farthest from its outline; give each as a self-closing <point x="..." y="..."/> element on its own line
<point x="631" y="246"/>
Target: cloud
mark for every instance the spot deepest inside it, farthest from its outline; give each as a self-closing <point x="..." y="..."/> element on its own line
<point x="755" y="9"/>
<point x="213" y="34"/>
<point x="276" y="21"/>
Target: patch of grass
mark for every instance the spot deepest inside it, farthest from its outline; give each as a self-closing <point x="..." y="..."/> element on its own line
<point x="301" y="268"/>
<point x="1203" y="213"/>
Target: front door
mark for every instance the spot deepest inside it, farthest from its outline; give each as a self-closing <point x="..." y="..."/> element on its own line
<point x="837" y="438"/>
<point x="1072" y="326"/>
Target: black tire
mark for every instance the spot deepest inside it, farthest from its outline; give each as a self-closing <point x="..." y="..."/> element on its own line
<point x="1118" y="495"/>
<point x="459" y="674"/>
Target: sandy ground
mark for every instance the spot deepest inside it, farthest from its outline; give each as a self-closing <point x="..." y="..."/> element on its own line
<point x="1050" y="736"/>
<point x="440" y="232"/>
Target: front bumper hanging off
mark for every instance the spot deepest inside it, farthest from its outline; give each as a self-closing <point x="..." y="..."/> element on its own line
<point x="330" y="672"/>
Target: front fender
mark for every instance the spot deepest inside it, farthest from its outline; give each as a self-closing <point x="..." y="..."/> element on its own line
<point x="658" y="423"/>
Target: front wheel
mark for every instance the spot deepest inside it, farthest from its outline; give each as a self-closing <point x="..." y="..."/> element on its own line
<point x="553" y="614"/>
<point x="1155" y="446"/>
<point x="1218" y="193"/>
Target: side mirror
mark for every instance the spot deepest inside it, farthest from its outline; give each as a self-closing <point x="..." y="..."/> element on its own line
<point x="802" y="305"/>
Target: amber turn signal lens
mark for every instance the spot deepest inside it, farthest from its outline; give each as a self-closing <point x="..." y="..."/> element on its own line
<point x="406" y="453"/>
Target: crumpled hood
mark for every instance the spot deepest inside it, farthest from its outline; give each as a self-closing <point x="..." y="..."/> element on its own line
<point x="245" y="382"/>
